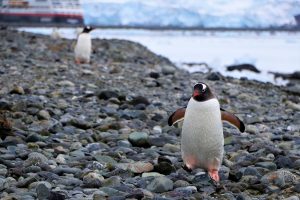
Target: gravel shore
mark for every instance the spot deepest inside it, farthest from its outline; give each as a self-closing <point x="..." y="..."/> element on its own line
<point x="99" y="130"/>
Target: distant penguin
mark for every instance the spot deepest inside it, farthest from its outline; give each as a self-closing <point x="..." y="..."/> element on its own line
<point x="83" y="46"/>
<point x="202" y="137"/>
<point x="55" y="34"/>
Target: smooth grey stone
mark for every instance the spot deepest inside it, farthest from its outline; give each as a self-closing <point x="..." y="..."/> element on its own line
<point x="268" y="165"/>
<point x="160" y="184"/>
<point x="139" y="139"/>
<point x="43" y="190"/>
<point x="168" y="69"/>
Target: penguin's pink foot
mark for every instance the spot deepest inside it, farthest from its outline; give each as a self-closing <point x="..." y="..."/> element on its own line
<point x="77" y="62"/>
<point x="214" y="175"/>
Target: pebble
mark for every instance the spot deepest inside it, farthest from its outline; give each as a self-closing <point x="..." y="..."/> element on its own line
<point x="43" y="114"/>
<point x="36" y="158"/>
<point x="93" y="180"/>
<point x="17" y="90"/>
<point x="151" y="174"/>
<point x="268" y="165"/>
<point x="167" y="69"/>
<point x="112" y="181"/>
<point x="43" y="190"/>
<point x="280" y="178"/>
<point x="160" y="184"/>
<point x="139" y="139"/>
<point x="138" y="167"/>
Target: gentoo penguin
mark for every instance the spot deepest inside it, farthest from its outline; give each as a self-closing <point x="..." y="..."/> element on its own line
<point x="83" y="46"/>
<point x="202" y="130"/>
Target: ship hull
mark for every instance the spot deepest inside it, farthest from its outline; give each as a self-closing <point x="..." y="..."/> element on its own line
<point x="41" y="18"/>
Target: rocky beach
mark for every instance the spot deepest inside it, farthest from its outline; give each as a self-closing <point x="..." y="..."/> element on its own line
<point x="99" y="131"/>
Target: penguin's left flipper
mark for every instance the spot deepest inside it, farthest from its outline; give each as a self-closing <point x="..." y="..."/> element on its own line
<point x="177" y="117"/>
<point x="232" y="119"/>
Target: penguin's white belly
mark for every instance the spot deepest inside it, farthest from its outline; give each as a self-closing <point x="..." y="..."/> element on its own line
<point x="83" y="47"/>
<point x="202" y="135"/>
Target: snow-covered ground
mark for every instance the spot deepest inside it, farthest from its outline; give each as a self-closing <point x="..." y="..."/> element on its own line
<point x="192" y="13"/>
<point x="268" y="51"/>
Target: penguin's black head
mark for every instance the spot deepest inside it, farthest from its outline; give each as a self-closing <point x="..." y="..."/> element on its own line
<point x="202" y="92"/>
<point x="87" y="29"/>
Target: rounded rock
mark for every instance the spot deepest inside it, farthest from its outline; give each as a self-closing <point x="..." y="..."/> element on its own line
<point x="139" y="139"/>
<point x="160" y="184"/>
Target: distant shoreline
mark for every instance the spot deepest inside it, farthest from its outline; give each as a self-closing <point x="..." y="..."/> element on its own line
<point x="294" y="29"/>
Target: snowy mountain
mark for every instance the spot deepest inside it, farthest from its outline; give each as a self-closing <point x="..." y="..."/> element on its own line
<point x="192" y="13"/>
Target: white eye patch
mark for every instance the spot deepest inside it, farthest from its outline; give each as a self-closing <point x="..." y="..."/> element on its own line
<point x="203" y="87"/>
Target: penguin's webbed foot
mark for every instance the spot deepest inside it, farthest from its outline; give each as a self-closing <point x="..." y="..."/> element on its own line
<point x="77" y="61"/>
<point x="214" y="175"/>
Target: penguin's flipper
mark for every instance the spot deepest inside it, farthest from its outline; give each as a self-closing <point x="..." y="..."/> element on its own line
<point x="232" y="119"/>
<point x="177" y="117"/>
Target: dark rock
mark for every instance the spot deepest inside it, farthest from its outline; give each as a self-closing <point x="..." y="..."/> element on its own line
<point x="157" y="141"/>
<point x="267" y="165"/>
<point x="157" y="117"/>
<point x="107" y="94"/>
<point x="139" y="139"/>
<point x="164" y="168"/>
<point x="133" y="114"/>
<point x="43" y="191"/>
<point x="252" y="171"/>
<point x="33" y="137"/>
<point x="293" y="76"/>
<point x="154" y="75"/>
<point x="214" y="76"/>
<point x="297" y="187"/>
<point x="242" y="67"/>
<point x="136" y="194"/>
<point x="284" y="162"/>
<point x="5" y="105"/>
<point x="139" y="100"/>
<point x="56" y="196"/>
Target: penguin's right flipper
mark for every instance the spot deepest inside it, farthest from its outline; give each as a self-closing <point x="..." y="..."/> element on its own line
<point x="177" y="117"/>
<point x="232" y="119"/>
